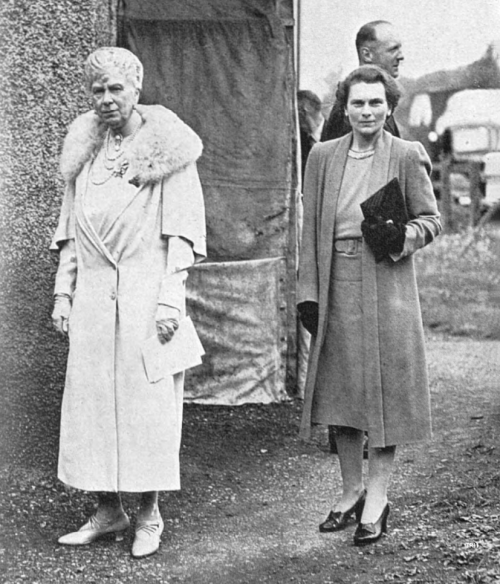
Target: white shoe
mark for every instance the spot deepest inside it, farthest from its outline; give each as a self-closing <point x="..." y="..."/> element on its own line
<point x="93" y="529"/>
<point x="147" y="537"/>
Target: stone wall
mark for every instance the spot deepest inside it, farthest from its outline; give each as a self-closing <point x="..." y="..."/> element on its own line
<point x="43" y="44"/>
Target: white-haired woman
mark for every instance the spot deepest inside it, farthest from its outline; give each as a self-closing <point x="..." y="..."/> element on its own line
<point x="131" y="224"/>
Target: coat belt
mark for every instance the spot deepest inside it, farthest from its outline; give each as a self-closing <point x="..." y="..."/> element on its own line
<point x="348" y="246"/>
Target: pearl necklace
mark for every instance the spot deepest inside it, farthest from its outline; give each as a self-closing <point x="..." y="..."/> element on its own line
<point x="116" y="168"/>
<point x="360" y="155"/>
<point x="120" y="140"/>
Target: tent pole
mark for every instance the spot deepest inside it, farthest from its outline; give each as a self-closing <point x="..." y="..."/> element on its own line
<point x="297" y="41"/>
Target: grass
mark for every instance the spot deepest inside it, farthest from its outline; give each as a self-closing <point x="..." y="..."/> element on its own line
<point x="459" y="283"/>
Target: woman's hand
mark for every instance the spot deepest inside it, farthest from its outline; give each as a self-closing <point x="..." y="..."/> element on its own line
<point x="308" y="314"/>
<point x="61" y="312"/>
<point x="167" y="322"/>
<point x="383" y="237"/>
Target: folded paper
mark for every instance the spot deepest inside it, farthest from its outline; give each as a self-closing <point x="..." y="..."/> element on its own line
<point x="182" y="352"/>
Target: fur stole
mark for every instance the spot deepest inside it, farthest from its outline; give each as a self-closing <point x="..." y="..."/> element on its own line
<point x="163" y="145"/>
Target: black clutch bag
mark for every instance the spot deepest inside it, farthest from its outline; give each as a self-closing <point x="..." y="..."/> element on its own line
<point x="387" y="203"/>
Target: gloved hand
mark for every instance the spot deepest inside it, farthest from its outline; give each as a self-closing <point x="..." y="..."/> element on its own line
<point x="308" y="314"/>
<point x="383" y="237"/>
<point x="61" y="312"/>
<point x="167" y="322"/>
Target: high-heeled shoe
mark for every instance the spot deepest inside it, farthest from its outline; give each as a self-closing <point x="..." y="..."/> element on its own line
<point x="147" y="537"/>
<point x="338" y="520"/>
<point x="94" y="529"/>
<point x="371" y="532"/>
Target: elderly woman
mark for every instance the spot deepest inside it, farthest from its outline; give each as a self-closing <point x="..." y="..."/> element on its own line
<point x="132" y="223"/>
<point x="367" y="369"/>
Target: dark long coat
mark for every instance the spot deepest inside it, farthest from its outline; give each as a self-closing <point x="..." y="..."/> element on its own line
<point x="393" y="357"/>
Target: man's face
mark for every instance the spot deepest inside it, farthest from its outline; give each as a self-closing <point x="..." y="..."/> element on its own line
<point x="386" y="51"/>
<point x="309" y="117"/>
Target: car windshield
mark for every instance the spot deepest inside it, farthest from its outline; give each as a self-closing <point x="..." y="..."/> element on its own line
<point x="472" y="139"/>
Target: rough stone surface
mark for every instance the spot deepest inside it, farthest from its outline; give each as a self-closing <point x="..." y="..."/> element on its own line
<point x="42" y="48"/>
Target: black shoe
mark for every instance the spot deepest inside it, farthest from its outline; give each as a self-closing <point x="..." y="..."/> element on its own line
<point x="371" y="532"/>
<point x="339" y="520"/>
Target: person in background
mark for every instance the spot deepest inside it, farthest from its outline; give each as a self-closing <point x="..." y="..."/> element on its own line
<point x="131" y="225"/>
<point x="377" y="43"/>
<point x="367" y="369"/>
<point x="311" y="122"/>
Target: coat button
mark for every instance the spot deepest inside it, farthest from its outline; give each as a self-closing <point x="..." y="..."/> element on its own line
<point x="113" y="295"/>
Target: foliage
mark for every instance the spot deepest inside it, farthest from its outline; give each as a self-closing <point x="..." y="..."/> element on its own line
<point x="459" y="284"/>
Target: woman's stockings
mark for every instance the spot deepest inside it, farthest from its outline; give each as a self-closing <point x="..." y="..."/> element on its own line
<point x="149" y="506"/>
<point x="380" y="465"/>
<point x="109" y="508"/>
<point x="350" y="450"/>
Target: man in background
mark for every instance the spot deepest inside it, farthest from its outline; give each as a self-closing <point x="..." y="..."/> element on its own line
<point x="311" y="122"/>
<point x="377" y="43"/>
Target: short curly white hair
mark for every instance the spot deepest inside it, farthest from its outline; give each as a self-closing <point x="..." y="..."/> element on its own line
<point x="104" y="59"/>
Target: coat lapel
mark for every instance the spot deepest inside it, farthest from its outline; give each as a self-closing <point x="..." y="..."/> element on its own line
<point x="130" y="194"/>
<point x="334" y="172"/>
<point x="381" y="161"/>
<point x="82" y="218"/>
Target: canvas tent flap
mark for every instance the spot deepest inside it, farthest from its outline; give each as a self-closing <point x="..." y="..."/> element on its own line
<point x="195" y="10"/>
<point x="240" y="316"/>
<point x="226" y="68"/>
<point x="230" y="81"/>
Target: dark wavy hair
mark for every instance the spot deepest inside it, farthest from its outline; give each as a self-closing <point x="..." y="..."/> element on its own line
<point x="369" y="74"/>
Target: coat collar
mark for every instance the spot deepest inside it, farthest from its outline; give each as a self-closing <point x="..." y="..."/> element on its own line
<point x="379" y="175"/>
<point x="163" y="145"/>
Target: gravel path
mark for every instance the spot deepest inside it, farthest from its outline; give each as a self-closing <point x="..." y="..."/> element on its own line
<point x="253" y="496"/>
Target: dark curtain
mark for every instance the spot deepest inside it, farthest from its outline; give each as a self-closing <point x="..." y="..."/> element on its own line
<point x="224" y="66"/>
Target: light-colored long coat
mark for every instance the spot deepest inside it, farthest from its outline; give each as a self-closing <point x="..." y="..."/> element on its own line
<point x="118" y="431"/>
<point x="396" y="378"/>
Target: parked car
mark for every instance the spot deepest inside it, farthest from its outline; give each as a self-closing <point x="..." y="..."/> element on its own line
<point x="491" y="175"/>
<point x="469" y="131"/>
<point x="470" y="125"/>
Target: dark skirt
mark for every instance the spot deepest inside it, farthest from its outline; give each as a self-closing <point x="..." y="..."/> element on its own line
<point x="339" y="398"/>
